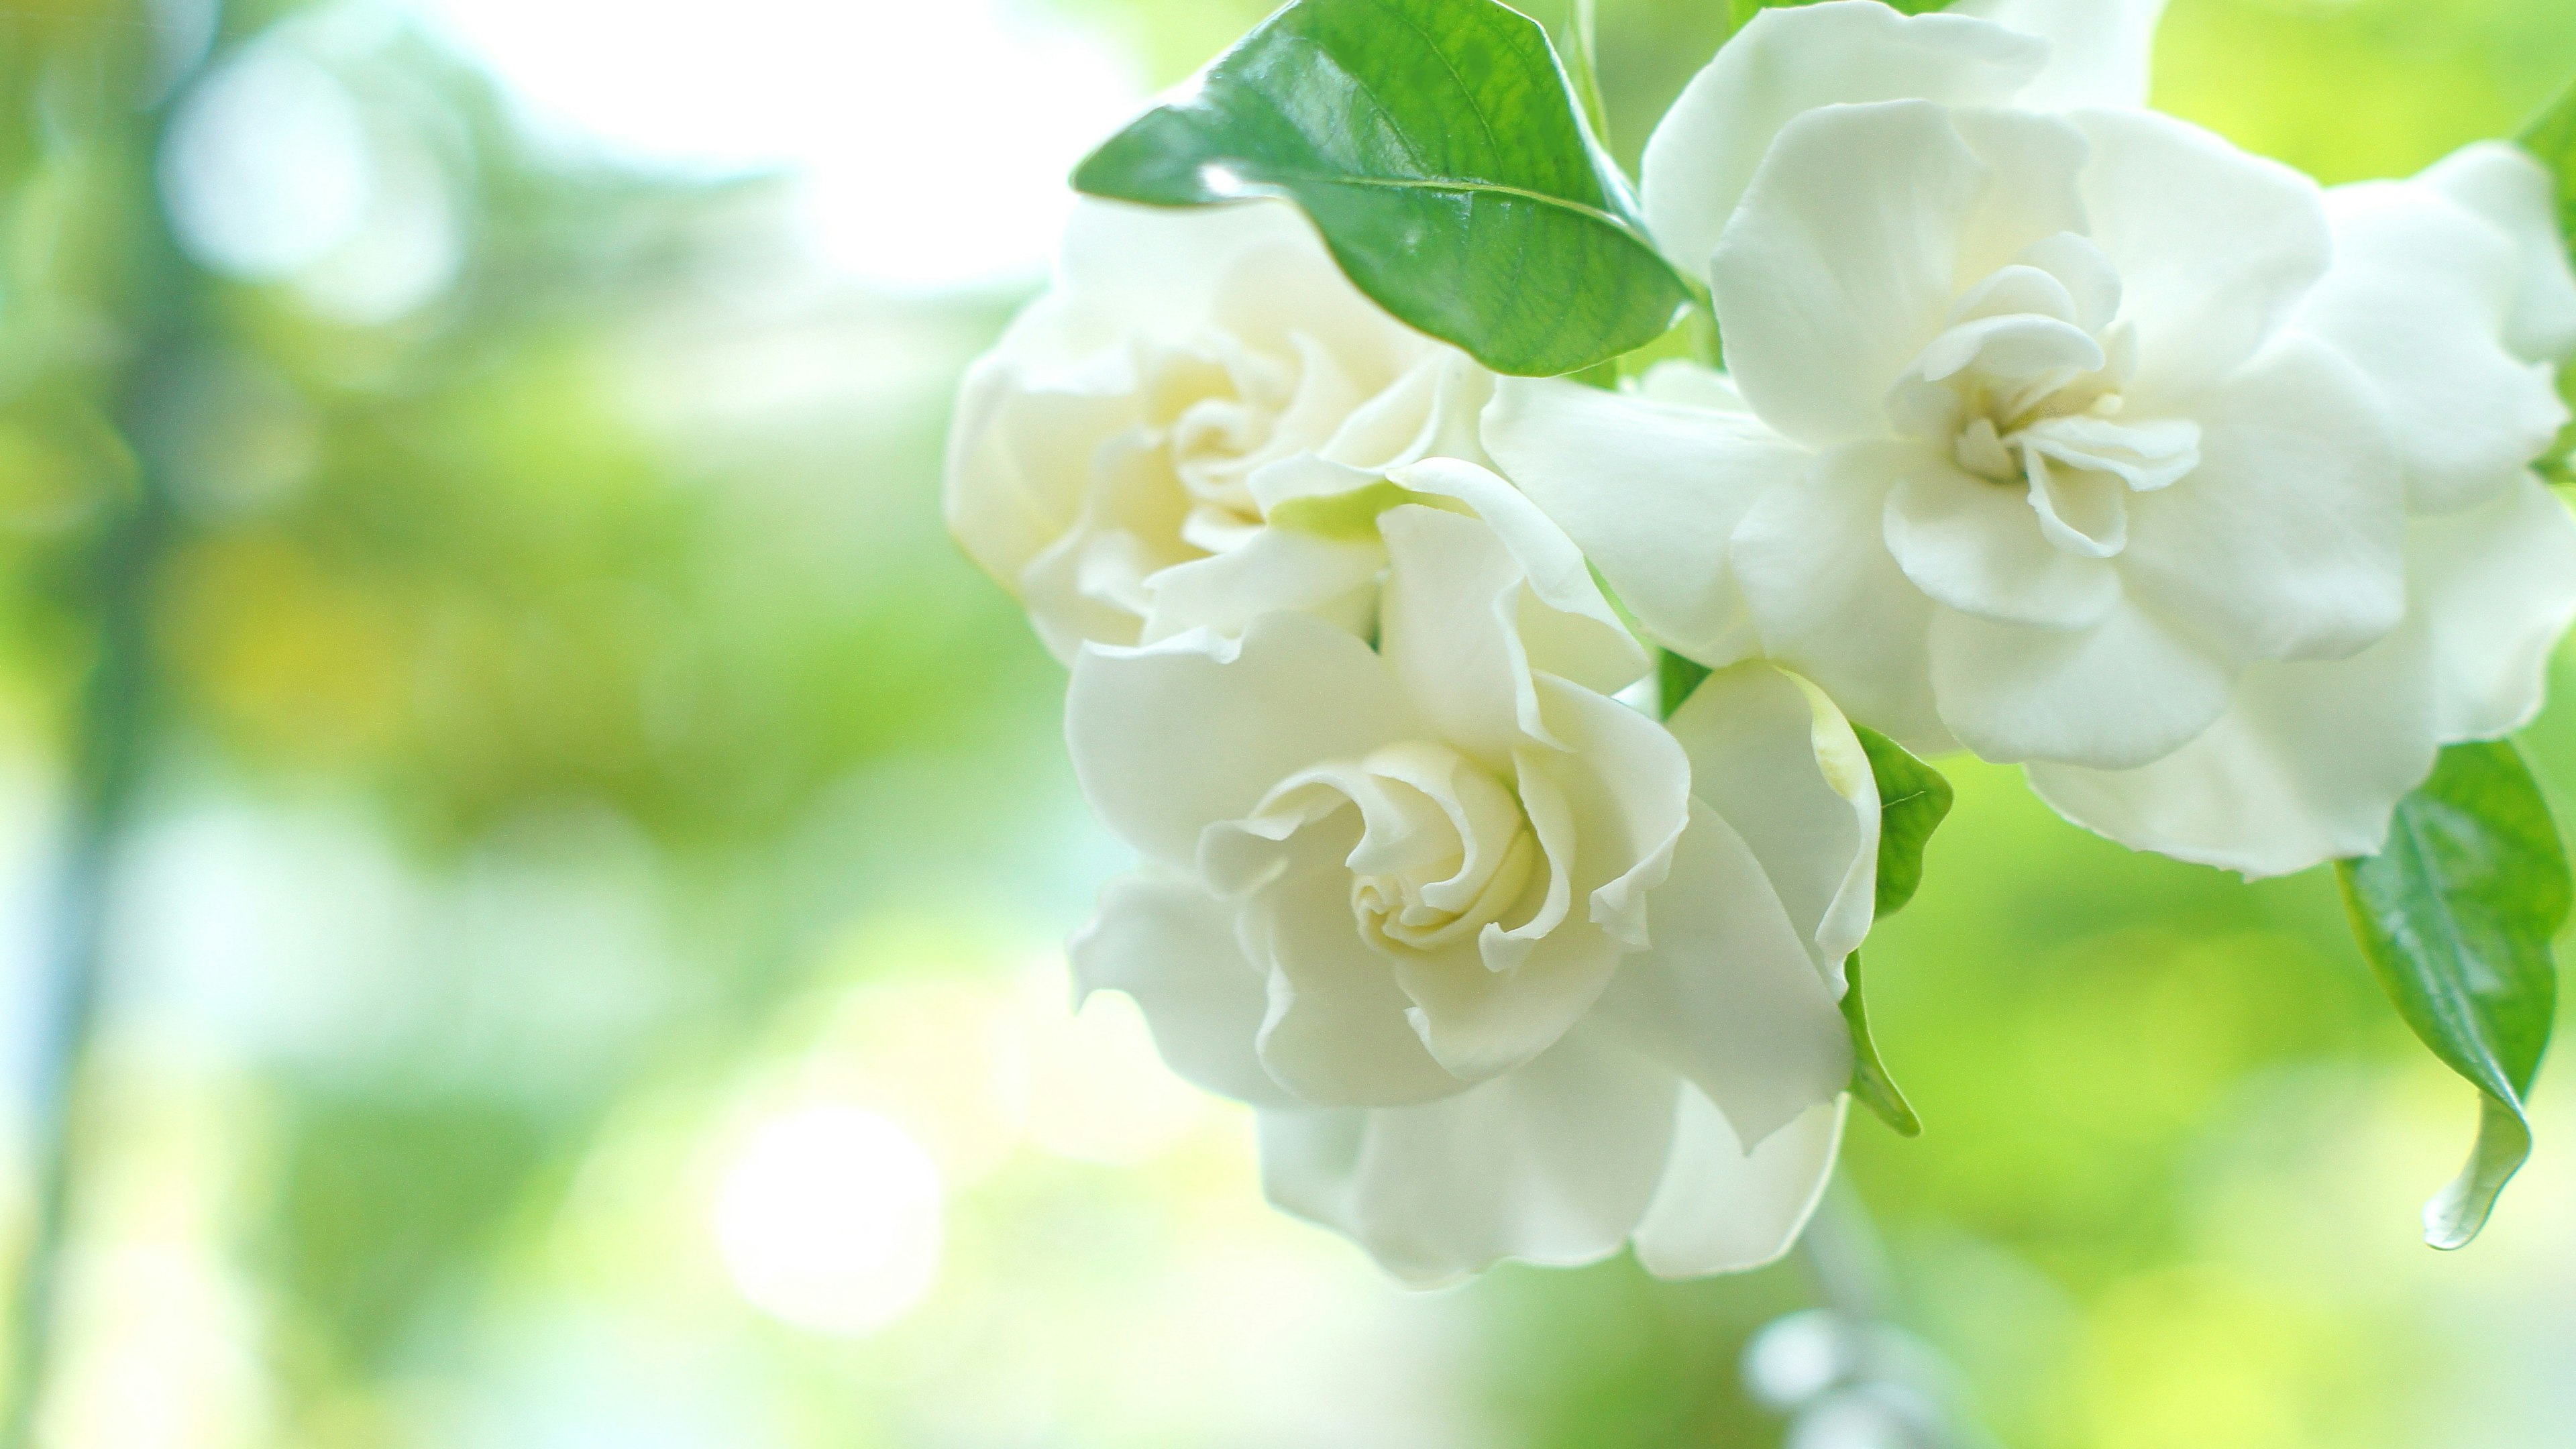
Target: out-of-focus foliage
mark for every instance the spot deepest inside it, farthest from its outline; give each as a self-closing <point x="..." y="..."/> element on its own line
<point x="581" y="765"/>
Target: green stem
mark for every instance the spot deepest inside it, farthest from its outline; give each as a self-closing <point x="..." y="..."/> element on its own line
<point x="109" y="754"/>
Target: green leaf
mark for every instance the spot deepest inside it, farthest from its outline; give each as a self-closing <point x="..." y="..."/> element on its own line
<point x="1675" y="678"/>
<point x="1912" y="801"/>
<point x="1436" y="146"/>
<point x="1870" y="1083"/>
<point x="2455" y="915"/>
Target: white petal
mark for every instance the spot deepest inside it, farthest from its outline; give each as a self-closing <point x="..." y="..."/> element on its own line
<point x="2495" y="589"/>
<point x="1781" y="764"/>
<point x="1977" y="545"/>
<point x="1161" y="270"/>
<point x="2311" y="757"/>
<point x="2304" y="767"/>
<point x="2420" y="298"/>
<point x="1167" y="942"/>
<point x="1729" y="996"/>
<point x="1047" y="488"/>
<point x="2517" y="195"/>
<point x="1651" y="490"/>
<point x="1552" y="1164"/>
<point x="1829" y="600"/>
<point x="1448" y="627"/>
<point x="1336" y="1032"/>
<point x="2128" y="690"/>
<point x="2288" y="540"/>
<point x="1789" y="61"/>
<point x="1684" y="383"/>
<point x="1174" y="737"/>
<point x="1277" y="569"/>
<point x="2080" y="511"/>
<point x="1840" y="264"/>
<point x="1430" y="412"/>
<point x="2213" y="247"/>
<point x="1566" y="626"/>
<point x="1624" y="785"/>
<point x="2098" y="50"/>
<point x="1720" y="1209"/>
<point x="1844" y="260"/>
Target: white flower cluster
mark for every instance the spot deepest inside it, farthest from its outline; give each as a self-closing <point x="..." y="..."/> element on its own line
<point x="2052" y="428"/>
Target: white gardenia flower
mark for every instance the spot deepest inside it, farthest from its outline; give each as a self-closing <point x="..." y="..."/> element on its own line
<point x="1194" y="377"/>
<point x="2064" y="431"/>
<point x="1507" y="968"/>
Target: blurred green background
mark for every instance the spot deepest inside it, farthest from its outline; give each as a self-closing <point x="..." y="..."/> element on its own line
<point x="578" y="861"/>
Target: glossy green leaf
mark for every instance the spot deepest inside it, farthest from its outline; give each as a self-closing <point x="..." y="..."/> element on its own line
<point x="1870" y="1083"/>
<point x="2455" y="915"/>
<point x="1913" y="798"/>
<point x="1437" y="147"/>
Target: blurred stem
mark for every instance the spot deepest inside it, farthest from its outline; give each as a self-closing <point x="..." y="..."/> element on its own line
<point x="1847" y="1257"/>
<point x="108" y="756"/>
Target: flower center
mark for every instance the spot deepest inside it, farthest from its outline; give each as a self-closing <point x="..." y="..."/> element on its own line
<point x="2025" y="387"/>
<point x="1445" y="851"/>
<point x="1441" y="848"/>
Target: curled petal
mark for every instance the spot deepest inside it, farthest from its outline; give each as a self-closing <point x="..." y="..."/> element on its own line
<point x="1608" y="810"/>
<point x="2422" y="297"/>
<point x="1974" y="545"/>
<point x="1167" y="942"/>
<point x="2494" y="588"/>
<point x="1651" y="489"/>
<point x="1336" y="1032"/>
<point x="1566" y="626"/>
<point x="1171" y="738"/>
<point x="2518" y="196"/>
<point x="1722" y="1209"/>
<point x="1552" y="1164"/>
<point x="1781" y="765"/>
<point x="1276" y="569"/>
<point x="1786" y="62"/>
<point x="1730" y="996"/>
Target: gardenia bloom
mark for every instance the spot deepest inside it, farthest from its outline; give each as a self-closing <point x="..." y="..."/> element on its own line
<point x="2065" y="431"/>
<point x="1507" y="968"/>
<point x="1194" y="377"/>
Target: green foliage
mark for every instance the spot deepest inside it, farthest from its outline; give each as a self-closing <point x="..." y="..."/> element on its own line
<point x="1743" y="11"/>
<point x="384" y="1198"/>
<point x="1675" y="678"/>
<point x="1870" y="1083"/>
<point x="2455" y="916"/>
<point x="1912" y="800"/>
<point x="1437" y="147"/>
